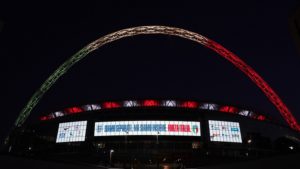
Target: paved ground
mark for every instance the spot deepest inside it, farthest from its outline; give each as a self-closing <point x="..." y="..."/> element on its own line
<point x="10" y="162"/>
<point x="281" y="162"/>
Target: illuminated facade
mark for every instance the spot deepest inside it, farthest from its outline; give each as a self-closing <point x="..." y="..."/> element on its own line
<point x="154" y="132"/>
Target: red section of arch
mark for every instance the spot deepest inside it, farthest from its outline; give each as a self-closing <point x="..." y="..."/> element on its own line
<point x="258" y="80"/>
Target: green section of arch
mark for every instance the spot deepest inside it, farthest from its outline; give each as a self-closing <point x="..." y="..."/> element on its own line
<point x="61" y="70"/>
<point x="36" y="97"/>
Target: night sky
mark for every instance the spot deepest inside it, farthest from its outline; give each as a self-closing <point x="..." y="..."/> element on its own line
<point x="36" y="38"/>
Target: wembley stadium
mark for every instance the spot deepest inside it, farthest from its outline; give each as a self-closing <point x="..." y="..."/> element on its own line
<point x="154" y="133"/>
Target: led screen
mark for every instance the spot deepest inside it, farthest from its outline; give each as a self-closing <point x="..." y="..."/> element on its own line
<point x="224" y="131"/>
<point x="137" y="128"/>
<point x="71" y="131"/>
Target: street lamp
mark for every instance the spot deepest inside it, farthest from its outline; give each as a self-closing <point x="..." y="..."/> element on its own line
<point x="157" y="137"/>
<point x="110" y="155"/>
<point x="157" y="159"/>
<point x="126" y="133"/>
<point x="125" y="161"/>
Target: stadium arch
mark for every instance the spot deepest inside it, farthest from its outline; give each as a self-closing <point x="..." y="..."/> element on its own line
<point x="164" y="30"/>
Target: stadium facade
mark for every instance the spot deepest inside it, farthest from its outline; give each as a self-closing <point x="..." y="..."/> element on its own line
<point x="151" y="133"/>
<point x="154" y="133"/>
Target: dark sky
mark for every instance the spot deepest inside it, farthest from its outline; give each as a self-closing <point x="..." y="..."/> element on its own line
<point x="36" y="38"/>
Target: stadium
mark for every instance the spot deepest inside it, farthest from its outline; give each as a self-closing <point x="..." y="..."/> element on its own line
<point x="154" y="133"/>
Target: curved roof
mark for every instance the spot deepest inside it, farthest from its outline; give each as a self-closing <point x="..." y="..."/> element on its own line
<point x="188" y="104"/>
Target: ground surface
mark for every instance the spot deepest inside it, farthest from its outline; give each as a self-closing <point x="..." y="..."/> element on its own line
<point x="281" y="162"/>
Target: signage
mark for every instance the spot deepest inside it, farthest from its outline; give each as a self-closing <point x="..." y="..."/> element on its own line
<point x="71" y="132"/>
<point x="139" y="128"/>
<point x="225" y="131"/>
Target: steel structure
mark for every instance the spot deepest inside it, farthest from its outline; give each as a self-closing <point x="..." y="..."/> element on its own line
<point x="165" y="30"/>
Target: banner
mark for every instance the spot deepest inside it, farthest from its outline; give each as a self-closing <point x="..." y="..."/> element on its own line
<point x="140" y="128"/>
<point x="225" y="131"/>
<point x="71" y="132"/>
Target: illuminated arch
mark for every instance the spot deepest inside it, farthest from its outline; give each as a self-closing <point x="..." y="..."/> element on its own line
<point x="235" y="60"/>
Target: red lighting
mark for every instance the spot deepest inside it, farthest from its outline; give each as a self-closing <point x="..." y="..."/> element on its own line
<point x="228" y="109"/>
<point x="261" y="117"/>
<point x="258" y="80"/>
<point x="110" y="105"/>
<point x="48" y="117"/>
<point x="43" y="118"/>
<point x="150" y="103"/>
<point x="189" y="104"/>
<point x="73" y="110"/>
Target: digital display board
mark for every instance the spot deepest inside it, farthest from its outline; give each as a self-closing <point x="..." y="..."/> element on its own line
<point x="147" y="128"/>
<point x="71" y="132"/>
<point x="225" y="131"/>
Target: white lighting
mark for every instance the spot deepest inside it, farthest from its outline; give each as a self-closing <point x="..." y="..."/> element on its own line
<point x="209" y="106"/>
<point x="95" y="107"/>
<point x="130" y="103"/>
<point x="169" y="103"/>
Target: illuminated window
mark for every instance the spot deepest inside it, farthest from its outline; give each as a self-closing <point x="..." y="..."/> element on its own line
<point x="73" y="110"/>
<point x="244" y="113"/>
<point x="251" y="114"/>
<point x="130" y="103"/>
<point x="228" y="109"/>
<point x="189" y="104"/>
<point x="87" y="107"/>
<point x="209" y="106"/>
<point x="44" y="118"/>
<point x="59" y="114"/>
<point x="204" y="106"/>
<point x="261" y="117"/>
<point x="150" y="103"/>
<point x="95" y="106"/>
<point x="51" y="116"/>
<point x="109" y="105"/>
<point x="169" y="103"/>
<point x="48" y="117"/>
